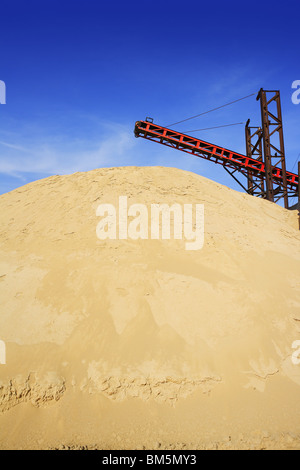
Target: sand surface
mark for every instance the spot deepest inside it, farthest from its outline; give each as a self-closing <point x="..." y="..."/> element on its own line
<point x="132" y="344"/>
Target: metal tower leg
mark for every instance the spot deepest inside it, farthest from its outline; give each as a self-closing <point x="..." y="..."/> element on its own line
<point x="256" y="182"/>
<point x="273" y="144"/>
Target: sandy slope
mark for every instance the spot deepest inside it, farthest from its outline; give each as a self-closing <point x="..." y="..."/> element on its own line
<point x="132" y="343"/>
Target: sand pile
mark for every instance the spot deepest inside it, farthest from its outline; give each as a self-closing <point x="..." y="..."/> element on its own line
<point x="142" y="343"/>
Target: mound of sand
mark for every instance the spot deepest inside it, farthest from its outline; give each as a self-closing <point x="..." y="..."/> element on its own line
<point x="124" y="344"/>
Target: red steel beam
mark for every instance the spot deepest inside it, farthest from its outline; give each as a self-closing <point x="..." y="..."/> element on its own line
<point x="212" y="152"/>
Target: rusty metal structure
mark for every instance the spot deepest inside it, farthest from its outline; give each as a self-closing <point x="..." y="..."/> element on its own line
<point x="263" y="166"/>
<point x="254" y="149"/>
<point x="273" y="144"/>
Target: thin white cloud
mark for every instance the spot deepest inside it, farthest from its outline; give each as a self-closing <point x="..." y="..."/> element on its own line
<point x="12" y="146"/>
<point x="62" y="155"/>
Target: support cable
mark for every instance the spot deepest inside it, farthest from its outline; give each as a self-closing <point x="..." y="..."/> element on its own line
<point x="216" y="127"/>
<point x="211" y="110"/>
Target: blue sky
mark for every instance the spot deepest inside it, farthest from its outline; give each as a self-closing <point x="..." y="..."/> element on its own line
<point x="79" y="74"/>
